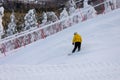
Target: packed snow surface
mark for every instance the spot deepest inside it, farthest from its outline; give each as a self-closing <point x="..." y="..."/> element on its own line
<point x="47" y="59"/>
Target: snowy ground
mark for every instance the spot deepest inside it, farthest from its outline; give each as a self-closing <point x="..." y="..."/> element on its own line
<point x="47" y="59"/>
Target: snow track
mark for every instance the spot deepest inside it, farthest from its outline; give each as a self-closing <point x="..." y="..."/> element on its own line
<point x="86" y="71"/>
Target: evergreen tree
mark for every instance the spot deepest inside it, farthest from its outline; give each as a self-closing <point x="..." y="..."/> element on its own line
<point x="71" y="6"/>
<point x="44" y="18"/>
<point x="63" y="15"/>
<point x="52" y="16"/>
<point x="89" y="10"/>
<point x="107" y="5"/>
<point x="30" y="19"/>
<point x="12" y="25"/>
<point x="1" y="26"/>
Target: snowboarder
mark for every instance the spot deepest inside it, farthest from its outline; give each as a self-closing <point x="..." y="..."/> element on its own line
<point x="77" y="40"/>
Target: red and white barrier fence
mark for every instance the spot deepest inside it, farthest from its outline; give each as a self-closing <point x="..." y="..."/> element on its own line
<point x="32" y="35"/>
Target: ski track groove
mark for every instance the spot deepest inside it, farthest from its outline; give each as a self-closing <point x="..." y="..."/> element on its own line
<point x="62" y="71"/>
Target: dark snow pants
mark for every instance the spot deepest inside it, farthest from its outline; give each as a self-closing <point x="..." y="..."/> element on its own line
<point x="76" y="45"/>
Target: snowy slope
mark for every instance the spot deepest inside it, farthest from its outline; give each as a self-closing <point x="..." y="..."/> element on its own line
<point x="47" y="59"/>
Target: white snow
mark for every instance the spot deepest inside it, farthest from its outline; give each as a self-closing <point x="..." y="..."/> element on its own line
<point x="47" y="59"/>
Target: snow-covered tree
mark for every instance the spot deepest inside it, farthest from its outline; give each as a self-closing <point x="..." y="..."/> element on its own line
<point x="89" y="10"/>
<point x="71" y="6"/>
<point x="1" y="26"/>
<point x="52" y="16"/>
<point x="30" y="19"/>
<point x="108" y="5"/>
<point x="115" y="4"/>
<point x="80" y="16"/>
<point x="44" y="20"/>
<point x="12" y="25"/>
<point x="85" y="3"/>
<point x="63" y="15"/>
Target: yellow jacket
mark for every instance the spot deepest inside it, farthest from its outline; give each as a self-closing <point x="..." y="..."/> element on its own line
<point x="77" y="38"/>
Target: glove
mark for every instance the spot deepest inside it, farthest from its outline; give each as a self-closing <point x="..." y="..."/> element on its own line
<point x="72" y="43"/>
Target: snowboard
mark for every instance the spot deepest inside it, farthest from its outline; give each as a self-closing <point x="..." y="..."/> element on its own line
<point x="72" y="53"/>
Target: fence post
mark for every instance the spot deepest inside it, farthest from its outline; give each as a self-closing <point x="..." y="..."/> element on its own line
<point x="42" y="33"/>
<point x="3" y="49"/>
